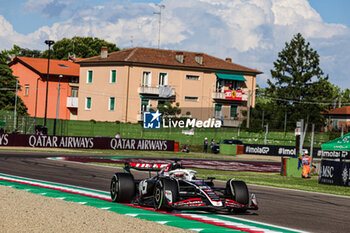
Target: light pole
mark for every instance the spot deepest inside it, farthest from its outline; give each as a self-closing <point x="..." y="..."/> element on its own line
<point x="36" y="97"/>
<point x="49" y="43"/>
<point x="58" y="103"/>
<point x="15" y="113"/>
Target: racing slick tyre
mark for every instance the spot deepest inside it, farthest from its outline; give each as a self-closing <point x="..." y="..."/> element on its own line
<point x="238" y="191"/>
<point x="122" y="188"/>
<point x="165" y="194"/>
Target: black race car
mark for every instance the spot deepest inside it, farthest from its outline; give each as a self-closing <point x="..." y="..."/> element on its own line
<point x="176" y="188"/>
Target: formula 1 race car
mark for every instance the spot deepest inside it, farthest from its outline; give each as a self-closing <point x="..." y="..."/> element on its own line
<point x="176" y="188"/>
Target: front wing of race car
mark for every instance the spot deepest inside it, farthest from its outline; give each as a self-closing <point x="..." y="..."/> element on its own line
<point x="197" y="194"/>
<point x="198" y="203"/>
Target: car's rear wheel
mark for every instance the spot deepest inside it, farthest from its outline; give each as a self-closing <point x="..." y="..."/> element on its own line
<point x="165" y="194"/>
<point x="238" y="192"/>
<point x="122" y="188"/>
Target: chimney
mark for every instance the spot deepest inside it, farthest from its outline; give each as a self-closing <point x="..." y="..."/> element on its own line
<point x="228" y="59"/>
<point x="104" y="52"/>
<point x="199" y="59"/>
<point x="179" y="56"/>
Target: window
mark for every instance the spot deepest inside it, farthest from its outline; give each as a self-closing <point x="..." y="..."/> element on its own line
<point x="88" y="103"/>
<point x="233" y="84"/>
<point x="233" y="111"/>
<point x="111" y="103"/>
<point x="192" y="77"/>
<point x="218" y="110"/>
<point x="335" y="125"/>
<point x="74" y="80"/>
<point x="113" y="76"/>
<point x="191" y="98"/>
<point x="74" y="92"/>
<point x="89" y="76"/>
<point x="26" y="91"/>
<point x="161" y="102"/>
<point x="145" y="105"/>
<point x="146" y="78"/>
<point x="163" y="79"/>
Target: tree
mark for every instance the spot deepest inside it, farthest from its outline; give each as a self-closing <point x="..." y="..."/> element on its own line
<point x="263" y="112"/>
<point x="168" y="110"/>
<point x="22" y="52"/>
<point x="345" y="97"/>
<point x="8" y="88"/>
<point x="81" y="47"/>
<point x="298" y="86"/>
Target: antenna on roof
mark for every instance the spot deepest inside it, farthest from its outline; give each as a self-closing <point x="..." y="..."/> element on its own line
<point x="73" y="49"/>
<point x="161" y="6"/>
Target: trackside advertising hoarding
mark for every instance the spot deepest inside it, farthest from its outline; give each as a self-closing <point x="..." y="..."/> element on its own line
<point x="273" y="150"/>
<point x="85" y="142"/>
<point x="334" y="173"/>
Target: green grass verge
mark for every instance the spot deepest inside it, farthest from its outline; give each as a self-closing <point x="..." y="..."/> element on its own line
<point x="269" y="179"/>
<point x="128" y="153"/>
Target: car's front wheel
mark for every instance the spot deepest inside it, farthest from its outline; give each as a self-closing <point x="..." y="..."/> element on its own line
<point x="238" y="192"/>
<point x="165" y="194"/>
<point x="122" y="188"/>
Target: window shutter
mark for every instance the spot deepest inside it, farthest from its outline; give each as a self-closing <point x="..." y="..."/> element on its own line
<point x="111" y="103"/>
<point x="90" y="76"/>
<point x="165" y="79"/>
<point x="149" y="79"/>
<point x="233" y="111"/>
<point x="88" y="102"/>
<point x="114" y="76"/>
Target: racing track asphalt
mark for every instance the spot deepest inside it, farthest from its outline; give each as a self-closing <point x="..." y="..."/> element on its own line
<point x="294" y="209"/>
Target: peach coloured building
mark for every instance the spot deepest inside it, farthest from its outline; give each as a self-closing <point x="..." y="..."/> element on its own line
<point x="338" y="119"/>
<point x="121" y="85"/>
<point x="63" y="85"/>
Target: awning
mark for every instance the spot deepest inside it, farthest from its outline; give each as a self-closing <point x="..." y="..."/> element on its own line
<point x="342" y="143"/>
<point x="236" y="77"/>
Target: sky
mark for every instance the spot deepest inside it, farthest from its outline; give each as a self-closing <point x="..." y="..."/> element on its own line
<point x="251" y="32"/>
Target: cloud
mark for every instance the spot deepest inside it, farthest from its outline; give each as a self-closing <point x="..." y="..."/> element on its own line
<point x="48" y="8"/>
<point x="36" y="6"/>
<point x="9" y="37"/>
<point x="251" y="32"/>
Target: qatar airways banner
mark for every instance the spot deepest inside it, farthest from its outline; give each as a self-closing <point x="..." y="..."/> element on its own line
<point x="85" y="142"/>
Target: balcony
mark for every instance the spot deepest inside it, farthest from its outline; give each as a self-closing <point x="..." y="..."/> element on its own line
<point x="232" y="123"/>
<point x="72" y="102"/>
<point x="152" y="90"/>
<point x="223" y="96"/>
<point x="139" y="117"/>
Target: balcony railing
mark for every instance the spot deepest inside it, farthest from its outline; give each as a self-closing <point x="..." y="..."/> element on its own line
<point x="72" y="102"/>
<point x="222" y="96"/>
<point x="232" y="123"/>
<point x="152" y="90"/>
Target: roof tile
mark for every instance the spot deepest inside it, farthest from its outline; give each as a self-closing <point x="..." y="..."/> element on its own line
<point x="167" y="57"/>
<point x="57" y="67"/>
<point x="339" y="111"/>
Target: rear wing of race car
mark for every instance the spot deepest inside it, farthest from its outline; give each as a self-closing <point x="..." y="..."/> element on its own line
<point x="156" y="167"/>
